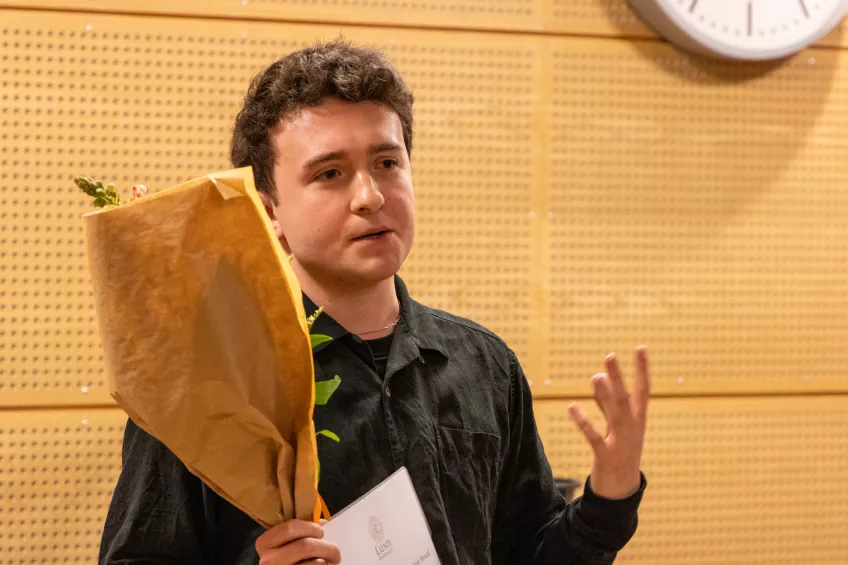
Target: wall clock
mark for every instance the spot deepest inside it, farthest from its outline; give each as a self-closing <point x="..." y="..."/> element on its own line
<point x="742" y="29"/>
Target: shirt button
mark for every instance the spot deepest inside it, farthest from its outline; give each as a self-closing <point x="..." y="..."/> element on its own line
<point x="388" y="392"/>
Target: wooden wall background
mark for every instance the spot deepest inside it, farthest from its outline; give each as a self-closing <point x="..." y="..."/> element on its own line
<point x="582" y="187"/>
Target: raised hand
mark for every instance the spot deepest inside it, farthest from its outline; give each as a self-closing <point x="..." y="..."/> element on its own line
<point x="618" y="453"/>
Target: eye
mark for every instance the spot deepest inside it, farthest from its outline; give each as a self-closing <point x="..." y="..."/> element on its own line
<point x="389" y="163"/>
<point x="329" y="175"/>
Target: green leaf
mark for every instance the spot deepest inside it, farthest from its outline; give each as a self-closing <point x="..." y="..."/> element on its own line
<point x="318" y="339"/>
<point x="325" y="389"/>
<point x="85" y="184"/>
<point x="103" y="196"/>
<point x="329" y="434"/>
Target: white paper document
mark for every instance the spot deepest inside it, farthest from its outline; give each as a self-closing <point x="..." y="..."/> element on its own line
<point x="384" y="527"/>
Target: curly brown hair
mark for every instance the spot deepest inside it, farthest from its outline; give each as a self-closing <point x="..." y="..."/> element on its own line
<point x="303" y="79"/>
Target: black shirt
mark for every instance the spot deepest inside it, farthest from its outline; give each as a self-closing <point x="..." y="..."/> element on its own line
<point x="380" y="349"/>
<point x="453" y="407"/>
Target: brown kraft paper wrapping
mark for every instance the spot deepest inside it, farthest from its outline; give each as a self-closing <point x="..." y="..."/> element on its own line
<point x="206" y="342"/>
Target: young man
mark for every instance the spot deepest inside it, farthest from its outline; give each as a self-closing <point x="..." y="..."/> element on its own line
<point x="328" y="132"/>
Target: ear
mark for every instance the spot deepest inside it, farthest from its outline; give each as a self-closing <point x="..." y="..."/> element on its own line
<point x="271" y="210"/>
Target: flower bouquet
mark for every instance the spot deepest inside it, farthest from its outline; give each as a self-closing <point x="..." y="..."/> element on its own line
<point x="206" y="340"/>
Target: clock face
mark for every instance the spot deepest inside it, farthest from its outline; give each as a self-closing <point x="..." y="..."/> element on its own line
<point x="745" y="29"/>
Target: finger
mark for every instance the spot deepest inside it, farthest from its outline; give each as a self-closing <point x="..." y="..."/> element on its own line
<point x="613" y="410"/>
<point x="304" y="549"/>
<point x="287" y="532"/>
<point x="592" y="436"/>
<point x="642" y="385"/>
<point x="619" y="391"/>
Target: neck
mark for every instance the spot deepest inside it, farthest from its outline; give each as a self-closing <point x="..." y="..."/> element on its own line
<point x="362" y="310"/>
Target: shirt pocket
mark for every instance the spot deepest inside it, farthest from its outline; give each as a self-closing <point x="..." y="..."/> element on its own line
<point x="469" y="464"/>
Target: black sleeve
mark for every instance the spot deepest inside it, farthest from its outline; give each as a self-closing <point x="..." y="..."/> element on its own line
<point x="158" y="513"/>
<point x="533" y="525"/>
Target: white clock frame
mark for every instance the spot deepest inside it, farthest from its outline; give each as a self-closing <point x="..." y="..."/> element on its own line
<point x="681" y="22"/>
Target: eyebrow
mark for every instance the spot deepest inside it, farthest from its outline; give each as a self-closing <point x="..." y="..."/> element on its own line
<point x="334" y="155"/>
<point x="386" y="147"/>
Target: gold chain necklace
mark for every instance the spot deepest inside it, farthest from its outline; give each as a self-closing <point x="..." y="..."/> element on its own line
<point x="387" y="326"/>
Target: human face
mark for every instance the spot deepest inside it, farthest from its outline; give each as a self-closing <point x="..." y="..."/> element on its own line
<point x="344" y="188"/>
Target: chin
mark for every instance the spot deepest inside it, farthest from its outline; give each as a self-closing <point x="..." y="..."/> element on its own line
<point x="373" y="271"/>
<point x="354" y="275"/>
<point x="376" y="275"/>
<point x="354" y="269"/>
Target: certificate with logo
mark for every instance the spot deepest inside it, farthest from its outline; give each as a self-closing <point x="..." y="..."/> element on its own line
<point x="385" y="527"/>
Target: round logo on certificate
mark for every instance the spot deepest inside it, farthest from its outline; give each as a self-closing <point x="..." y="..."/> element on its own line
<point x="375" y="527"/>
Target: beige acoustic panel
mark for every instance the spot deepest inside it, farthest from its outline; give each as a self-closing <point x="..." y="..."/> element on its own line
<point x="519" y="15"/>
<point x="836" y="38"/>
<point x="152" y="100"/>
<point x="731" y="481"/>
<point x="595" y="17"/>
<point x="700" y="208"/>
<point x="612" y="18"/>
<point x="743" y="481"/>
<point x="616" y="18"/>
<point x="57" y="472"/>
<point x="477" y="164"/>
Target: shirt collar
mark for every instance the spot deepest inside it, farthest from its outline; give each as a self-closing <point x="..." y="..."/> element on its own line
<point x="416" y="329"/>
<point x="418" y="321"/>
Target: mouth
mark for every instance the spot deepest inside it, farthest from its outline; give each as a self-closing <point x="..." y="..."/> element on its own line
<point x="373" y="236"/>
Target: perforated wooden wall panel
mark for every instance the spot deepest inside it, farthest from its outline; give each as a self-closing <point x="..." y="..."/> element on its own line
<point x="743" y="481"/>
<point x="575" y="194"/>
<point x="549" y="175"/>
<point x="616" y="18"/>
<point x="57" y="472"/>
<point x="97" y="95"/>
<point x="597" y="17"/>
<point x="602" y="17"/>
<point x="477" y="173"/>
<point x="124" y="104"/>
<point x="476" y="14"/>
<point x="689" y="213"/>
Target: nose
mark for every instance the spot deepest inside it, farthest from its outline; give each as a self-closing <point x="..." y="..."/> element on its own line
<point x="367" y="197"/>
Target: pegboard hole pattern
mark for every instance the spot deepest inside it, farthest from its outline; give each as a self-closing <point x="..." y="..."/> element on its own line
<point x="602" y="18"/>
<point x="548" y="179"/>
<point x="162" y="113"/>
<point x="59" y="469"/>
<point x="566" y="12"/>
<point x="683" y="220"/>
<point x="405" y="7"/>
<point x="474" y="177"/>
<point x="760" y="478"/>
